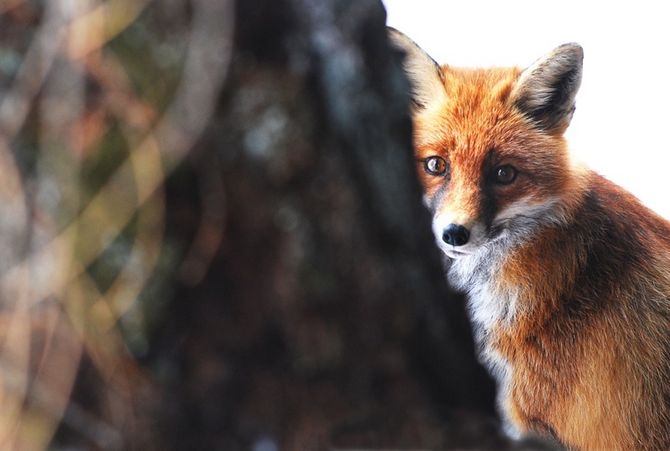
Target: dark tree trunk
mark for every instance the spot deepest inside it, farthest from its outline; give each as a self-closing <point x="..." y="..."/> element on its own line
<point x="324" y="319"/>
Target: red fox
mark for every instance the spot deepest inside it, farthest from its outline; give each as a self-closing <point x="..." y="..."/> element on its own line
<point x="567" y="275"/>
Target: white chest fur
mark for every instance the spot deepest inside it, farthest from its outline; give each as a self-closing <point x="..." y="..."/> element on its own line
<point x="489" y="305"/>
<point x="489" y="302"/>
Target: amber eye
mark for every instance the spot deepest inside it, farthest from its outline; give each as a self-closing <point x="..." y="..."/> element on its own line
<point x="504" y="175"/>
<point x="435" y="165"/>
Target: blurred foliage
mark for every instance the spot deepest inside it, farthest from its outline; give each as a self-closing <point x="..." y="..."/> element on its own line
<point x="91" y="93"/>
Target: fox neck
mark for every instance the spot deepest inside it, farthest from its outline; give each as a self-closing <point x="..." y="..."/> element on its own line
<point x="501" y="287"/>
<point x="514" y="285"/>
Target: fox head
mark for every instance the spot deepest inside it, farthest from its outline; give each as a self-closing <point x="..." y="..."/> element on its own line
<point x="489" y="144"/>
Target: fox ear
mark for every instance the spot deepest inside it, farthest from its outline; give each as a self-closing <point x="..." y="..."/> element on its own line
<point x="424" y="74"/>
<point x="546" y="91"/>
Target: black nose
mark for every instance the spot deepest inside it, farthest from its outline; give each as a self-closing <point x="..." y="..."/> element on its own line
<point x="455" y="235"/>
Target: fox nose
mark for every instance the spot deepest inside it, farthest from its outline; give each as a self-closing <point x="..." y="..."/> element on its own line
<point x="455" y="235"/>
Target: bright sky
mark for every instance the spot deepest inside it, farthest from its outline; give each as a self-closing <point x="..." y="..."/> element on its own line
<point x="623" y="108"/>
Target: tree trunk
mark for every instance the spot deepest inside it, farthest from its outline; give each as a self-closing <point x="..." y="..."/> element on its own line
<point x="324" y="320"/>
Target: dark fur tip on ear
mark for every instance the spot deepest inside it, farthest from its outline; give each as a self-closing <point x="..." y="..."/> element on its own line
<point x="572" y="48"/>
<point x="546" y="91"/>
<point x="424" y="74"/>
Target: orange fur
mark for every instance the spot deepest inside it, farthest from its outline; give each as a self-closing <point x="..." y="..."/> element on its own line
<point x="583" y="332"/>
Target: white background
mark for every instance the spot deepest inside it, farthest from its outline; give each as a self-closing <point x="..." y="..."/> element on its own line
<point x="622" y="121"/>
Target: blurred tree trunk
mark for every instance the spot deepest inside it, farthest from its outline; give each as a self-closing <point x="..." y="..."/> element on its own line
<point x="324" y="319"/>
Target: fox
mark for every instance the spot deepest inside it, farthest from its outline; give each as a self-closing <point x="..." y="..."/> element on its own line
<point x="566" y="274"/>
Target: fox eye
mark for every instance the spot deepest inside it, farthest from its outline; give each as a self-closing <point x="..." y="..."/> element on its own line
<point x="435" y="165"/>
<point x="504" y="175"/>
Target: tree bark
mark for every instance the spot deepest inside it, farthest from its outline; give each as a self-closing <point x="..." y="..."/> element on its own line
<point x="324" y="320"/>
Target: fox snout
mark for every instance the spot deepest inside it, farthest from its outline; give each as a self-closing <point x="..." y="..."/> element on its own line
<point x="455" y="235"/>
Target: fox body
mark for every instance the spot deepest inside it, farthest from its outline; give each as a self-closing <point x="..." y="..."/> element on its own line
<point x="567" y="275"/>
